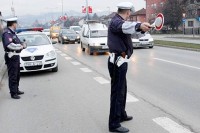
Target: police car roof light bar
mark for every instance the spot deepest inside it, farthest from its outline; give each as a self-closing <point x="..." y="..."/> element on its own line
<point x="29" y="29"/>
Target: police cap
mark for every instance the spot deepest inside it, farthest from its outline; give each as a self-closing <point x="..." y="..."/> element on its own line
<point x="125" y="6"/>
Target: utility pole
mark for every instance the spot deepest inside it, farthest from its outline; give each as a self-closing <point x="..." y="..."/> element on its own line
<point x="62" y="8"/>
<point x="13" y="9"/>
<point x="87" y="10"/>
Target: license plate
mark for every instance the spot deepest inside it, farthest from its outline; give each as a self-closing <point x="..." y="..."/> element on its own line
<point x="144" y="43"/>
<point x="105" y="47"/>
<point x="36" y="63"/>
<point x="72" y="39"/>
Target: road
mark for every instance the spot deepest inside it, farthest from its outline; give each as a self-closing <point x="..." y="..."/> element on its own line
<point x="163" y="94"/>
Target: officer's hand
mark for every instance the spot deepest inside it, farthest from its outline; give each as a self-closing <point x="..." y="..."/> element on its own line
<point x="145" y="27"/>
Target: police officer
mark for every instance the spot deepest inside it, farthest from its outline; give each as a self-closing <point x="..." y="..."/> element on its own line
<point x="12" y="47"/>
<point x="121" y="49"/>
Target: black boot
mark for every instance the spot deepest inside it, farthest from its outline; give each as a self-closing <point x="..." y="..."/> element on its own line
<point x="20" y="92"/>
<point x="15" y="96"/>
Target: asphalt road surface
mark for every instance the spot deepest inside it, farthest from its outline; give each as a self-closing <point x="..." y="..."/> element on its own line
<point x="163" y="94"/>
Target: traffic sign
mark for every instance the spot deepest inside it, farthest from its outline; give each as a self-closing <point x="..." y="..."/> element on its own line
<point x="183" y="20"/>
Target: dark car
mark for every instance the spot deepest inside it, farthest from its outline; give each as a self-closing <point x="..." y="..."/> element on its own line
<point x="68" y="36"/>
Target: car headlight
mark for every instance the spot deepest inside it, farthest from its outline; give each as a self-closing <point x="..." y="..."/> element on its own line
<point x="51" y="54"/>
<point x="151" y="39"/>
<point x="78" y="37"/>
<point x="64" y="37"/>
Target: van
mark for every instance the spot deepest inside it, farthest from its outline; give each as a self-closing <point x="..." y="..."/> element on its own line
<point x="94" y="37"/>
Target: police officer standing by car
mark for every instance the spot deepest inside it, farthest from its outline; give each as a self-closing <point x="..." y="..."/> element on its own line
<point x="121" y="48"/>
<point x="12" y="47"/>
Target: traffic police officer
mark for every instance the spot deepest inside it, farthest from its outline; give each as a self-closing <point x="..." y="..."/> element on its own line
<point x="121" y="49"/>
<point x="12" y="46"/>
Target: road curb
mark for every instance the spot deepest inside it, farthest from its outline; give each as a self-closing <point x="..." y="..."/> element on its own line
<point x="2" y="72"/>
<point x="189" y="49"/>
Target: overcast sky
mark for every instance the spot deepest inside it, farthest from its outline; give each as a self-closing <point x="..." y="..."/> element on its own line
<point x="34" y="7"/>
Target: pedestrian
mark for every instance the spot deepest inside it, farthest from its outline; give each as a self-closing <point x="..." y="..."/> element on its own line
<point x="121" y="49"/>
<point x="12" y="47"/>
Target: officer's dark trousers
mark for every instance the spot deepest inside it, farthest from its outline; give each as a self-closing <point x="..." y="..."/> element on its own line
<point x="13" y="65"/>
<point x="118" y="94"/>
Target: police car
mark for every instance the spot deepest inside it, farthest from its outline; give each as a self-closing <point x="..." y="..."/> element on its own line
<point x="94" y="37"/>
<point x="39" y="54"/>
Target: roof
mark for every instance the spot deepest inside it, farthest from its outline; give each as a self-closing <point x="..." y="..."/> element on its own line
<point x="140" y="12"/>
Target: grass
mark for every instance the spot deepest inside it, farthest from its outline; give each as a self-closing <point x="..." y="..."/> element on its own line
<point x="177" y="44"/>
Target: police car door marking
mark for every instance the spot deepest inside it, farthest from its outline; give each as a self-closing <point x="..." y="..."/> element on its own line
<point x="170" y="125"/>
<point x="130" y="98"/>
<point x="31" y="50"/>
<point x="101" y="80"/>
<point x="68" y="58"/>
<point x="87" y="70"/>
<point x="76" y="63"/>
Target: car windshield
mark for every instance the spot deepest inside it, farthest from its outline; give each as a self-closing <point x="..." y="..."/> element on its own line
<point x="34" y="39"/>
<point x="98" y="33"/>
<point x="46" y="30"/>
<point x="76" y="28"/>
<point x="68" y="32"/>
<point x="55" y="31"/>
<point x="139" y="35"/>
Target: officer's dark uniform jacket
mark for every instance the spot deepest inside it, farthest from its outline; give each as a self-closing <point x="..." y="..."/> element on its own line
<point x="118" y="41"/>
<point x="8" y="37"/>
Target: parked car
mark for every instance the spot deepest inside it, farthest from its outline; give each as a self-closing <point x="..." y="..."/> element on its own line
<point x="47" y="32"/>
<point x="142" y="40"/>
<point x="68" y="36"/>
<point x="39" y="54"/>
<point x="94" y="37"/>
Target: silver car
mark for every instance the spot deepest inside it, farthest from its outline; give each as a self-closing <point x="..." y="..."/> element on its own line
<point x="142" y="40"/>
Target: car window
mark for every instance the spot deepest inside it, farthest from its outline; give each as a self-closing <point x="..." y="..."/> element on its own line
<point x="34" y="39"/>
<point x="98" y="33"/>
<point x="68" y="32"/>
<point x="76" y="28"/>
<point x="46" y="30"/>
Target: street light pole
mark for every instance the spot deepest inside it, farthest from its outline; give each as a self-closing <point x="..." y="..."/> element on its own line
<point x="62" y="8"/>
<point x="87" y="10"/>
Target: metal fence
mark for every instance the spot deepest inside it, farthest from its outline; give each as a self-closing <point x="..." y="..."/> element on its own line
<point x="192" y="31"/>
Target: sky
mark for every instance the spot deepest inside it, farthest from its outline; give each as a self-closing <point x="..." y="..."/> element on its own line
<point x="35" y="7"/>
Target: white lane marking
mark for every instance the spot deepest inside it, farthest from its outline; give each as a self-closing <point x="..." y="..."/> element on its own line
<point x="87" y="70"/>
<point x="101" y="80"/>
<point x="59" y="51"/>
<point x="76" y="63"/>
<point x="170" y="125"/>
<point x="68" y="58"/>
<point x="130" y="98"/>
<point x="177" y="63"/>
<point x="63" y="54"/>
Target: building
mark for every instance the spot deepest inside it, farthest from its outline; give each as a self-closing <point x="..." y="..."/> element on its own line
<point x="191" y="17"/>
<point x="153" y="7"/>
<point x="139" y="16"/>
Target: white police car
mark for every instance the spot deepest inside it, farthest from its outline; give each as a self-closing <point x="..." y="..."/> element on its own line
<point x="39" y="54"/>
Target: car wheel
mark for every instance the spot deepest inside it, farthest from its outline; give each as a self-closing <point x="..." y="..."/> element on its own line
<point x="83" y="49"/>
<point x="55" y="69"/>
<point x="89" y="50"/>
<point x="150" y="46"/>
<point x="61" y="41"/>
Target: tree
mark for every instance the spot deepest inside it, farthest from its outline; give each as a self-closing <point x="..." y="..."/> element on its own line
<point x="173" y="14"/>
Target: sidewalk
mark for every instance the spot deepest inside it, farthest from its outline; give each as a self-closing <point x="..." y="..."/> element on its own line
<point x="2" y="63"/>
<point x="178" y="38"/>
